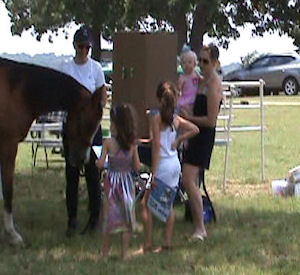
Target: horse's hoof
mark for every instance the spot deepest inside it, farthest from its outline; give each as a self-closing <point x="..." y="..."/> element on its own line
<point x="17" y="241"/>
<point x="15" y="238"/>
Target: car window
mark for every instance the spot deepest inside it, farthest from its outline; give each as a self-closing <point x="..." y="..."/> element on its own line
<point x="273" y="61"/>
<point x="280" y="60"/>
<point x="262" y="62"/>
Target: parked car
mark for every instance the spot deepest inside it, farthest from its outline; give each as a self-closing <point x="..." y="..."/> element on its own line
<point x="281" y="72"/>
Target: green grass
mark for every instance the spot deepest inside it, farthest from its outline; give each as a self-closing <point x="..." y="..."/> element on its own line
<point x="256" y="233"/>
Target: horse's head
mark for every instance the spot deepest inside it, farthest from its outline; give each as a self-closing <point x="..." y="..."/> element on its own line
<point x="81" y="126"/>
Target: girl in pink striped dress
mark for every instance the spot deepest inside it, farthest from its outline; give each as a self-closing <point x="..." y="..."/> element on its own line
<point x="119" y="190"/>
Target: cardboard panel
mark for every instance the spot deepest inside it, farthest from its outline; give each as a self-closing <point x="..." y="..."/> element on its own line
<point x="141" y="61"/>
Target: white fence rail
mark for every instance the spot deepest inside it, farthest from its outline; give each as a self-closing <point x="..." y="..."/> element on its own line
<point x="230" y="87"/>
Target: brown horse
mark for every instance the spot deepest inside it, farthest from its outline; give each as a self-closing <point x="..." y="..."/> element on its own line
<point x="26" y="92"/>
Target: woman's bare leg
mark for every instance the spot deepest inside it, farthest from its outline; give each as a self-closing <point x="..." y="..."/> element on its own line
<point x="190" y="177"/>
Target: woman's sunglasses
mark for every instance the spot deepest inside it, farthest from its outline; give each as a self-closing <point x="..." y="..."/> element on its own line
<point x="203" y="60"/>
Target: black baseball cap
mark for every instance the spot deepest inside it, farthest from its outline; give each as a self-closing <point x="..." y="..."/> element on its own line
<point x="83" y="36"/>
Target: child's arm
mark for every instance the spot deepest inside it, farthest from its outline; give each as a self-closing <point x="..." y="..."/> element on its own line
<point x="214" y="97"/>
<point x="101" y="161"/>
<point x="188" y="130"/>
<point x="199" y="76"/>
<point x="136" y="159"/>
<point x="155" y="129"/>
<point x="180" y="83"/>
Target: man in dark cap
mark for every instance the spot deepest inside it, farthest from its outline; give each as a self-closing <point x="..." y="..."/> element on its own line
<point x="87" y="72"/>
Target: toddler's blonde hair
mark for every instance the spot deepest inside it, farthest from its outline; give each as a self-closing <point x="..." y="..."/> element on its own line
<point x="190" y="53"/>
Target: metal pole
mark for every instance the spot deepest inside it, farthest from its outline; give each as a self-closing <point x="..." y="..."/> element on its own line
<point x="228" y="136"/>
<point x="262" y="124"/>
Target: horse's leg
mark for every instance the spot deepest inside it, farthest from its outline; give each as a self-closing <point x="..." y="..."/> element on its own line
<point x="8" y="153"/>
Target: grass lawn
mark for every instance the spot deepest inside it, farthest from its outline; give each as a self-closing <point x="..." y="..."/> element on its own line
<point x="255" y="233"/>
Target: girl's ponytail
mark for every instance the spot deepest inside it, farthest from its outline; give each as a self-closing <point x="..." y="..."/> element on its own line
<point x="166" y="94"/>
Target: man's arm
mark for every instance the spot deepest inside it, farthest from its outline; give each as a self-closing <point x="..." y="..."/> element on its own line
<point x="100" y="83"/>
<point x="103" y="95"/>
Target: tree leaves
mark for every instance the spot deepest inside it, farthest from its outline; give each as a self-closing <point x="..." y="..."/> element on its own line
<point x="190" y="18"/>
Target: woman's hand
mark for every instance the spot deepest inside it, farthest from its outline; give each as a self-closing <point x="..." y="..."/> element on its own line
<point x="184" y="113"/>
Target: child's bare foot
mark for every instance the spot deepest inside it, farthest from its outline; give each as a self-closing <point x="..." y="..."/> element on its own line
<point x="143" y="250"/>
<point x="138" y="252"/>
<point x="163" y="248"/>
<point x="147" y="249"/>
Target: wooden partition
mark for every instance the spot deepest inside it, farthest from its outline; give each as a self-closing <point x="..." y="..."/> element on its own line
<point x="141" y="61"/>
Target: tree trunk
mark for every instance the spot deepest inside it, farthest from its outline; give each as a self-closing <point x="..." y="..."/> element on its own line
<point x="177" y="18"/>
<point x="199" y="27"/>
<point x="96" y="51"/>
<point x="180" y="27"/>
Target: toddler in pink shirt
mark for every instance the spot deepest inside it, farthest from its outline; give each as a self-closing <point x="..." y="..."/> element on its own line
<point x="188" y="82"/>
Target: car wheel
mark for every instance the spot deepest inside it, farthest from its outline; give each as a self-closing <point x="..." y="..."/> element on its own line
<point x="290" y="86"/>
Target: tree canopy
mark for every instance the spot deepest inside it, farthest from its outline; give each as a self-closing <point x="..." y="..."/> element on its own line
<point x="219" y="18"/>
<point x="190" y="18"/>
<point x="103" y="17"/>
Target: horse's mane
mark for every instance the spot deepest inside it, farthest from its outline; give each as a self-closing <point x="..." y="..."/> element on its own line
<point x="47" y="89"/>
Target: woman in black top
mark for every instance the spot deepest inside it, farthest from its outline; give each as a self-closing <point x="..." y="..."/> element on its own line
<point x="198" y="152"/>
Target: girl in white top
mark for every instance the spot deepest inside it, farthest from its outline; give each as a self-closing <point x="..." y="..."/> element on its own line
<point x="164" y="125"/>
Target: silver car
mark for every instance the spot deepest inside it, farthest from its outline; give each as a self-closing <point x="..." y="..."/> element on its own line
<point x="281" y="72"/>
